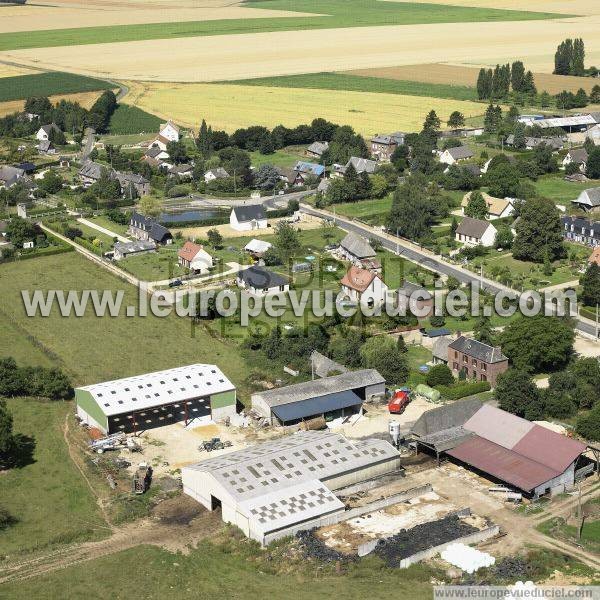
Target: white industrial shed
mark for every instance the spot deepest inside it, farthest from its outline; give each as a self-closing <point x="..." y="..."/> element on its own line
<point x="339" y="395"/>
<point x="277" y="488"/>
<point x="196" y="392"/>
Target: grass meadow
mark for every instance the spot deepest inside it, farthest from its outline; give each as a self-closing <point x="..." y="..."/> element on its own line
<point x="328" y="14"/>
<point x="21" y="87"/>
<point x="129" y="120"/>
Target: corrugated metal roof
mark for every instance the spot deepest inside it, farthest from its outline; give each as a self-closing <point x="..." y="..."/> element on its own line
<point x="320" y="387"/>
<point x="498" y="426"/>
<point x="316" y="406"/>
<point x="445" y="417"/>
<point x="549" y="448"/>
<point x="506" y="465"/>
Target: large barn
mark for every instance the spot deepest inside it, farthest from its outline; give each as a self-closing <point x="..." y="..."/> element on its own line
<point x="279" y="487"/>
<point x="501" y="446"/>
<point x="337" y="396"/>
<point x="194" y="393"/>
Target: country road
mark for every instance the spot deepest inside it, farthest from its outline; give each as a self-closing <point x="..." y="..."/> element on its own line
<point x="427" y="259"/>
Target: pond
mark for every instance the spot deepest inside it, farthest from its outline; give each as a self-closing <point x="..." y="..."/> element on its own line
<point x="191" y="215"/>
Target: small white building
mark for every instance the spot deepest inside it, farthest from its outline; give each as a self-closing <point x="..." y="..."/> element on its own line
<point x="364" y="286"/>
<point x="261" y="282"/>
<point x="588" y="199"/>
<point x="579" y="156"/>
<point x="123" y="250"/>
<point x="248" y="218"/>
<point x="257" y="247"/>
<point x="195" y="258"/>
<point x="452" y="156"/>
<point x="169" y="131"/>
<point x="475" y="232"/>
<point x="43" y="134"/>
<point x="212" y="174"/>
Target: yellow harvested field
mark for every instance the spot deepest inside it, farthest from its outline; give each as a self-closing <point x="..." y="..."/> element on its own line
<point x="279" y="53"/>
<point x="86" y="99"/>
<point x="12" y="70"/>
<point x="230" y="107"/>
<point x="460" y="75"/>
<point x="63" y="14"/>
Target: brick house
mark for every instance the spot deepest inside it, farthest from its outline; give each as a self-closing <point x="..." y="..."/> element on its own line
<point x="479" y="361"/>
<point x="383" y="146"/>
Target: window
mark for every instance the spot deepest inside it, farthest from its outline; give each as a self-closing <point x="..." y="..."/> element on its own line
<point x="465" y="359"/>
<point x="483" y="377"/>
<point x="474" y="362"/>
<point x="483" y="366"/>
<point x="455" y="354"/>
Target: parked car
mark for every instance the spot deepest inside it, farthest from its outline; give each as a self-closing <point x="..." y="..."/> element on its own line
<point x="175" y="283"/>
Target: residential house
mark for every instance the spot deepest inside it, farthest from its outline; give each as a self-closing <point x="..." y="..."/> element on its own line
<point x="90" y="172"/>
<point x="316" y="149"/>
<point x="588" y="200"/>
<point x="169" y="131"/>
<point x="43" y="134"/>
<point x="581" y="231"/>
<point x="248" y="217"/>
<point x="122" y="250"/>
<point x="46" y="147"/>
<point x="578" y="156"/>
<point x="361" y="165"/>
<point x="212" y="174"/>
<point x="195" y="258"/>
<point x="306" y="170"/>
<point x="475" y="232"/>
<point x="261" y="282"/>
<point x="452" y="156"/>
<point x="355" y="248"/>
<point x="10" y="175"/>
<point x="415" y="299"/>
<point x="157" y="153"/>
<point x="555" y="143"/>
<point x="593" y="133"/>
<point x="135" y="181"/>
<point x="476" y="360"/>
<point x="257" y="248"/>
<point x="473" y="169"/>
<point x="498" y="208"/>
<point x="383" y="146"/>
<point x="146" y="228"/>
<point x="595" y="256"/>
<point x="323" y="185"/>
<point x="439" y="350"/>
<point x="363" y="286"/>
<point x="185" y="171"/>
<point x="27" y="167"/>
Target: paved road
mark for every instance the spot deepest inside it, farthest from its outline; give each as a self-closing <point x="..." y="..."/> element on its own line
<point x="87" y="144"/>
<point x="427" y="259"/>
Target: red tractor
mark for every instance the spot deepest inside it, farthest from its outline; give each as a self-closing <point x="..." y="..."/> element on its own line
<point x="399" y="401"/>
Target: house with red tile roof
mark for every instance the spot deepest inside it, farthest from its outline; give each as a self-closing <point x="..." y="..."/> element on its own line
<point x="195" y="258"/>
<point x="364" y="286"/>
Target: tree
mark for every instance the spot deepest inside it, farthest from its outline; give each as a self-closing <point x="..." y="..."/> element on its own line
<point x="215" y="239"/>
<point x="401" y="345"/>
<point x="266" y="177"/>
<point x="483" y="331"/>
<point x="588" y="425"/>
<point x="590" y="285"/>
<point x="432" y="121"/>
<point x="150" y="206"/>
<point x="177" y="152"/>
<point x="492" y="118"/>
<point x="344" y="144"/>
<point x="484" y="84"/>
<point x="477" y="207"/>
<point x="595" y="95"/>
<point x="439" y="375"/>
<point x="345" y="347"/>
<point x="237" y="163"/>
<point x="20" y="230"/>
<point x="456" y="120"/>
<point x="517" y="393"/>
<point x="538" y="344"/>
<point x="382" y="354"/>
<point x="399" y="158"/>
<point x="286" y="242"/>
<point x="7" y="438"/>
<point x="204" y="141"/>
<point x="593" y="164"/>
<point x="502" y="181"/>
<point x="504" y="237"/>
<point x="51" y="183"/>
<point x="539" y="234"/>
<point x="517" y="76"/>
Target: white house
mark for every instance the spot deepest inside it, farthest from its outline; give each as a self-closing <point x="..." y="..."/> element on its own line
<point x="452" y="156"/>
<point x="261" y="282"/>
<point x="169" y="131"/>
<point x="475" y="232"/>
<point x="248" y="218"/>
<point x="588" y="199"/>
<point x="218" y="173"/>
<point x="43" y="133"/>
<point x="195" y="258"/>
<point x="355" y="248"/>
<point x="498" y="208"/>
<point x="364" y="286"/>
<point x="579" y="156"/>
<point x="160" y="142"/>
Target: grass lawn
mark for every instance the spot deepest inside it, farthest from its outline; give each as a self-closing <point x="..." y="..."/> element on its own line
<point x="94" y="349"/>
<point x="104" y="221"/>
<point x="90" y="232"/>
<point x="48" y="84"/>
<point x="285" y="158"/>
<point x="47" y="496"/>
<point x="154" y="266"/>
<point x="373" y="212"/>
<point x="417" y="356"/>
<point x="561" y="191"/>
<point x="334" y="13"/>
<point x="210" y="572"/>
<point x="358" y="83"/>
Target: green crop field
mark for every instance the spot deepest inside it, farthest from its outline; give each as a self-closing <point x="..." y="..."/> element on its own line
<point x="357" y="83"/>
<point x="127" y="120"/>
<point x="48" y="84"/>
<point x="328" y="14"/>
<point x="47" y="495"/>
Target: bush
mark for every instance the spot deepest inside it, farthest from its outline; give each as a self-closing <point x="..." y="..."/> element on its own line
<point x="33" y="381"/>
<point x="439" y="375"/>
<point x="463" y="389"/>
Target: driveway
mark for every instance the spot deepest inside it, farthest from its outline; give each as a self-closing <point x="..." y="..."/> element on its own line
<point x="102" y="229"/>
